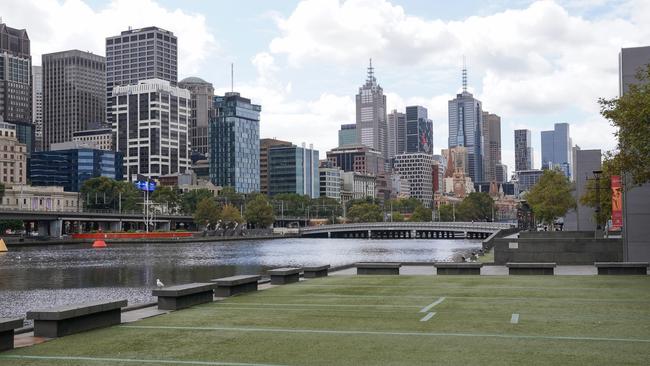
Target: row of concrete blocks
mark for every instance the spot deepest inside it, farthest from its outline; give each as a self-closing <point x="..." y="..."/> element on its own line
<point x="65" y="320"/>
<point x="474" y="268"/>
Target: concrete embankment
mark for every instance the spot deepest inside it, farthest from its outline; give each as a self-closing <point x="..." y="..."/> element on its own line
<point x="14" y="242"/>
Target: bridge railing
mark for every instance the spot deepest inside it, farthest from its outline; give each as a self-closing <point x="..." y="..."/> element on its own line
<point x="412" y="225"/>
<point x="64" y="211"/>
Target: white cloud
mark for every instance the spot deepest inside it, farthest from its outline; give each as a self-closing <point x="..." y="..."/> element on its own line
<point x="72" y="24"/>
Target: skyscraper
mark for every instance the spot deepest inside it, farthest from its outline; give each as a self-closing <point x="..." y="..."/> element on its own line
<point x="139" y="54"/>
<point x="151" y="120"/>
<point x="419" y="131"/>
<point x="73" y="94"/>
<point x="417" y="169"/>
<point x="396" y="133"/>
<point x="348" y="134"/>
<point x="523" y="150"/>
<point x="372" y="129"/>
<point x="492" y="146"/>
<point x="234" y="139"/>
<point x="201" y="96"/>
<point x="37" y="106"/>
<point x="556" y="149"/>
<point x="16" y="82"/>
<point x="265" y="150"/>
<point x="465" y="125"/>
<point x="631" y="61"/>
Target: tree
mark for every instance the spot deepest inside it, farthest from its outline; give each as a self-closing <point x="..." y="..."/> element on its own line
<point x="191" y="199"/>
<point x="397" y="217"/>
<point x="10" y="225"/>
<point x="551" y="197"/>
<point x="477" y="206"/>
<point x="291" y="204"/>
<point x="611" y="166"/>
<point x="2" y="191"/>
<point x="206" y="213"/>
<point x="404" y="205"/>
<point x="325" y="207"/>
<point x="630" y="114"/>
<point x="258" y="212"/>
<point x="421" y="214"/>
<point x="230" y="216"/>
<point x="446" y="213"/>
<point x="365" y="212"/>
<point x="167" y="197"/>
<point x="109" y="194"/>
<point x="228" y="195"/>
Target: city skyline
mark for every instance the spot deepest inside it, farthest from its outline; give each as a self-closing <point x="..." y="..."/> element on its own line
<point x="313" y="87"/>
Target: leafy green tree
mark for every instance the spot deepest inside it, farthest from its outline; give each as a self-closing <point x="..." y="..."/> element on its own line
<point x="446" y="213"/>
<point x="404" y="205"/>
<point x="2" y="191"/>
<point x="258" y="212"/>
<point x="397" y="217"/>
<point x="191" y="199"/>
<point x="421" y="214"/>
<point x="477" y="206"/>
<point x="325" y="208"/>
<point x="10" y="225"/>
<point x="228" y="195"/>
<point x="611" y="166"/>
<point x="109" y="194"/>
<point x="365" y="212"/>
<point x="230" y="216"/>
<point x="206" y="213"/>
<point x="630" y="114"/>
<point x="551" y="197"/>
<point x="291" y="204"/>
<point x="166" y="196"/>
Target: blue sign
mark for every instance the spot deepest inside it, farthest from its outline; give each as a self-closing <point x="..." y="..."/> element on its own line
<point x="145" y="186"/>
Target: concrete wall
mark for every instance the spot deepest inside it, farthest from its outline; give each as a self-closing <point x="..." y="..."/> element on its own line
<point x="582" y="218"/>
<point x="561" y="250"/>
<point x="636" y="224"/>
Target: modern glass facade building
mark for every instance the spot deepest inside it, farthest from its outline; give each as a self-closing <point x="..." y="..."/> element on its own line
<point x="556" y="149"/>
<point x="348" y="135"/>
<point x="70" y="168"/>
<point x="372" y="129"/>
<point x="491" y="146"/>
<point x="419" y="131"/>
<point x="234" y="139"/>
<point x="465" y="127"/>
<point x="294" y="169"/>
<point x="523" y="150"/>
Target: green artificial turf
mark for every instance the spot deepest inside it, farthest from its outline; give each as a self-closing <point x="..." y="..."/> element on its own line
<point x="376" y="320"/>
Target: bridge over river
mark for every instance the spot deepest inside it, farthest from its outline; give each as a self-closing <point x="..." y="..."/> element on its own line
<point x="407" y="230"/>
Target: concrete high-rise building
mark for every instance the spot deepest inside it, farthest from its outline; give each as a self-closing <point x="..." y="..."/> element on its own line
<point x="419" y="131"/>
<point x="348" y="135"/>
<point x="357" y="158"/>
<point x="139" y="54"/>
<point x="330" y="182"/>
<point x="526" y="179"/>
<point x="586" y="162"/>
<point x="372" y="129"/>
<point x="396" y="133"/>
<point x="73" y="94"/>
<point x="556" y="149"/>
<point x="151" y="123"/>
<point x="630" y="62"/>
<point x="523" y="150"/>
<point x="465" y="127"/>
<point x="37" y="106"/>
<point x="491" y="146"/>
<point x="201" y="96"/>
<point x="16" y="82"/>
<point x="501" y="173"/>
<point x="417" y="169"/>
<point x="234" y="133"/>
<point x="97" y="135"/>
<point x="13" y="159"/>
<point x="265" y="149"/>
<point x="294" y="169"/>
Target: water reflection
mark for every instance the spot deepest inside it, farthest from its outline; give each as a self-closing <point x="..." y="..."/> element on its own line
<point x="34" y="277"/>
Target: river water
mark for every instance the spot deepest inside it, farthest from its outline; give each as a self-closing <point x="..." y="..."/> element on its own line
<point x="40" y="277"/>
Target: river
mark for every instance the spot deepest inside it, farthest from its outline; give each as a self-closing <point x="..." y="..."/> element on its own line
<point x="44" y="276"/>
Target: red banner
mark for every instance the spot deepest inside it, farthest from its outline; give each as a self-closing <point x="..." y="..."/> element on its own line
<point x="617" y="203"/>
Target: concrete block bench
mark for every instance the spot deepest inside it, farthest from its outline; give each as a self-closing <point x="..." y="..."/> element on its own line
<point x="531" y="268"/>
<point x="69" y="319"/>
<point x="283" y="276"/>
<point x="229" y="286"/>
<point x="7" y="326"/>
<point x="622" y="268"/>
<point x="378" y="268"/>
<point x="318" y="271"/>
<point x="183" y="296"/>
<point x="461" y="268"/>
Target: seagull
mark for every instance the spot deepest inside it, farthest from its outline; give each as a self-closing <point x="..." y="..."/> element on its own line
<point x="159" y="283"/>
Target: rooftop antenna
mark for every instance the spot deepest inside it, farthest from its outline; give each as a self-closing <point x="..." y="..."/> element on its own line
<point x="232" y="77"/>
<point x="464" y="75"/>
<point x="370" y="71"/>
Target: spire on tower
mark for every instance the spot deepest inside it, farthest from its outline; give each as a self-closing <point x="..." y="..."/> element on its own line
<point x="464" y="76"/>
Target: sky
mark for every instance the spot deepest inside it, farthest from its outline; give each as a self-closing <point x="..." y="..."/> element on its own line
<point x="534" y="63"/>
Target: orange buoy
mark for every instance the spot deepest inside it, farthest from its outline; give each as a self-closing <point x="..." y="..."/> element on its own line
<point x="99" y="244"/>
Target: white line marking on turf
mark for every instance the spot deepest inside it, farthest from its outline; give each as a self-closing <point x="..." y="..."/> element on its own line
<point x="131" y="360"/>
<point x="329" y="305"/>
<point x="427" y="317"/>
<point x="367" y="332"/>
<point x="514" y="319"/>
<point x="428" y="307"/>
